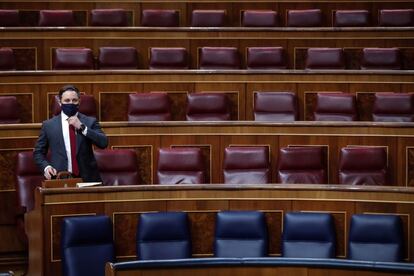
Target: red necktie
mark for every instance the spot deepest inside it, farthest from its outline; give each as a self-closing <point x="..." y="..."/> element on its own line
<point x="72" y="137"/>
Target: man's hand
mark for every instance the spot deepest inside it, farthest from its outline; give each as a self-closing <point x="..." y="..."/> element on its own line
<point x="49" y="172"/>
<point x="74" y="121"/>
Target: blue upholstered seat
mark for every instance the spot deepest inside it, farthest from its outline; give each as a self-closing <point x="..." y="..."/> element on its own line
<point x="376" y="238"/>
<point x="240" y="234"/>
<point x="163" y="235"/>
<point x="86" y="245"/>
<point x="308" y="235"/>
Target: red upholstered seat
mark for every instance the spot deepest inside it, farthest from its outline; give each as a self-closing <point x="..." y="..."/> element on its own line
<point x="219" y="58"/>
<point x="28" y="178"/>
<point x="246" y="165"/>
<point x="393" y="107"/>
<point x="396" y="18"/>
<point x="9" y="18"/>
<point x="335" y="106"/>
<point x="117" y="166"/>
<point x="72" y="59"/>
<point x="207" y="107"/>
<point x="168" y="58"/>
<point x="325" y="58"/>
<point x="351" y="18"/>
<point x="275" y="106"/>
<point x="7" y="59"/>
<point x="180" y="166"/>
<point x="303" y="165"/>
<point x="87" y="105"/>
<point x="154" y="106"/>
<point x="54" y="18"/>
<point x="109" y="17"/>
<point x="381" y="58"/>
<point x="260" y="18"/>
<point x="363" y="166"/>
<point x="160" y="18"/>
<point x="208" y="18"/>
<point x="266" y="58"/>
<point x="304" y="18"/>
<point x="112" y="58"/>
<point x="9" y="110"/>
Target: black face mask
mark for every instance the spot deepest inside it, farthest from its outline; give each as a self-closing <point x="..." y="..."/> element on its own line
<point x="70" y="109"/>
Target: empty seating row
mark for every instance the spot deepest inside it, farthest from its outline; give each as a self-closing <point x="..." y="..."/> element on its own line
<point x="218" y="18"/>
<point x="238" y="234"/>
<point x="212" y="58"/>
<point x="268" y="106"/>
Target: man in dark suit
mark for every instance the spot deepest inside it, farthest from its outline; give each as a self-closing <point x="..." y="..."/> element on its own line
<point x="69" y="137"/>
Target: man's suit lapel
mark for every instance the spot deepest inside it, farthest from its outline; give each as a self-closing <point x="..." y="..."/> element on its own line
<point x="59" y="133"/>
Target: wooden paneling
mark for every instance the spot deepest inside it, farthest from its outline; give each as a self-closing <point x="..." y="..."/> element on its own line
<point x="202" y="202"/>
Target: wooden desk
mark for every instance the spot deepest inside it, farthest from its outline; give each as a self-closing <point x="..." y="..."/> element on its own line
<point x="201" y="202"/>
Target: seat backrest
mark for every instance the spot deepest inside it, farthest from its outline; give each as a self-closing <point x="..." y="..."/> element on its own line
<point x="266" y="58"/>
<point x="86" y="245"/>
<point x="9" y="110"/>
<point x="160" y="18"/>
<point x="396" y="18"/>
<point x="87" y="105"/>
<point x="181" y="166"/>
<point x="325" y="58"/>
<point x="208" y="18"/>
<point x="393" y="107"/>
<point x="260" y="18"/>
<point x="335" y="106"/>
<point x="118" y="166"/>
<point x="109" y="17"/>
<point x="351" y="18"/>
<point x="363" y="166"/>
<point x="304" y="18"/>
<point x="163" y="235"/>
<point x="28" y="178"/>
<point x="240" y="234"/>
<point x="154" y="106"/>
<point x="216" y="58"/>
<point x="207" y="107"/>
<point x="168" y="58"/>
<point x="7" y="59"/>
<point x="72" y="59"/>
<point x="303" y="165"/>
<point x="246" y="165"/>
<point x="381" y="59"/>
<point x="111" y="58"/>
<point x="56" y="18"/>
<point x="275" y="106"/>
<point x="376" y="238"/>
<point x="308" y="235"/>
<point x="9" y="18"/>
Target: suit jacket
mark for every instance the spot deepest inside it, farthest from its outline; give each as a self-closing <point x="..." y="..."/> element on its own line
<point x="51" y="138"/>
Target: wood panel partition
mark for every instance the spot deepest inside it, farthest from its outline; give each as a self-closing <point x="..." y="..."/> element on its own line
<point x="202" y="202"/>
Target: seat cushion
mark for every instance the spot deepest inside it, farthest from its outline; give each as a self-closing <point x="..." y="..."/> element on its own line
<point x="111" y="58"/>
<point x="9" y="18"/>
<point x="54" y="18"/>
<point x="219" y="58"/>
<point x="393" y="107"/>
<point x="207" y="107"/>
<point x="168" y="58"/>
<point x="325" y="58"/>
<point x="208" y="18"/>
<point x="396" y="18"/>
<point x="160" y="18"/>
<point x="154" y="106"/>
<point x="352" y="18"/>
<point x="259" y="18"/>
<point x="275" y="106"/>
<point x="266" y="58"/>
<point x="381" y="58"/>
<point x="9" y="110"/>
<point x="109" y="17"/>
<point x="73" y="59"/>
<point x="304" y="18"/>
<point x="335" y="106"/>
<point x="7" y="59"/>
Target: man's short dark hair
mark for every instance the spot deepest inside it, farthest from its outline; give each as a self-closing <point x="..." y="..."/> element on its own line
<point x="68" y="87"/>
